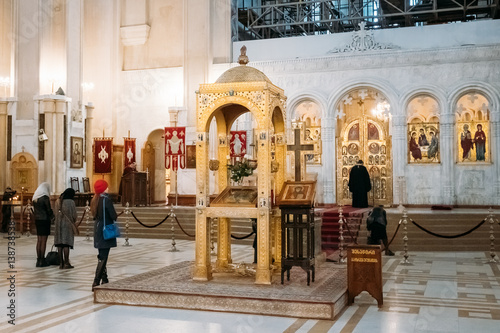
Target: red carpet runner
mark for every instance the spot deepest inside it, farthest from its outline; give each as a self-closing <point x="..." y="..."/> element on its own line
<point x="330" y="227"/>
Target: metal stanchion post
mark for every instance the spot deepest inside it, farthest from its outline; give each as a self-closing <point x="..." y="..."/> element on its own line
<point x="127" y="212"/>
<point x="28" y="209"/>
<point x="172" y="217"/>
<point x="492" y="236"/>
<point x="87" y="213"/>
<point x="405" y="238"/>
<point x="342" y="259"/>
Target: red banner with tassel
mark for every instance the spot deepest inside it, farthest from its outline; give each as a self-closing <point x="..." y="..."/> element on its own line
<point x="175" y="148"/>
<point x="103" y="150"/>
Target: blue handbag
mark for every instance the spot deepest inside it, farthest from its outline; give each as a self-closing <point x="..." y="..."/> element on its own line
<point x="109" y="231"/>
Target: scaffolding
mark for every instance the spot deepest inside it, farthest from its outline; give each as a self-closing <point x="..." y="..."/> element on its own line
<point x="264" y="19"/>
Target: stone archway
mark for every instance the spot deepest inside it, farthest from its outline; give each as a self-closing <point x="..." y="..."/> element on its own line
<point x="154" y="162"/>
<point x="364" y="134"/>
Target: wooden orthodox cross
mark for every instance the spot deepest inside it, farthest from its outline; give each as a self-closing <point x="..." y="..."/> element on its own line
<point x="297" y="147"/>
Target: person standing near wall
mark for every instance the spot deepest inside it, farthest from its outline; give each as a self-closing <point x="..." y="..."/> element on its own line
<point x="359" y="185"/>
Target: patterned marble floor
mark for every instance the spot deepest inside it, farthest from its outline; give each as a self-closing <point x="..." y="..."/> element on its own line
<point x="439" y="292"/>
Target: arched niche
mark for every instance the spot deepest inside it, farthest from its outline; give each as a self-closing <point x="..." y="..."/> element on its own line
<point x="24" y="172"/>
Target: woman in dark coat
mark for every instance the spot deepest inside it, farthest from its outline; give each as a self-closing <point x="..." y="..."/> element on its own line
<point x="64" y="237"/>
<point x="377" y="224"/>
<point x="43" y="217"/>
<point x="102" y="208"/>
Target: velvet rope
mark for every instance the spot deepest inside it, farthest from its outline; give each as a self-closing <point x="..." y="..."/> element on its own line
<point x="182" y="228"/>
<point x="395" y="233"/>
<point x="243" y="237"/>
<point x="149" y="226"/>
<point x="83" y="215"/>
<point x="350" y="234"/>
<point x="448" y="236"/>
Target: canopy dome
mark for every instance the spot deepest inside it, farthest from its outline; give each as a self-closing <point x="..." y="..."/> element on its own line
<point x="242" y="74"/>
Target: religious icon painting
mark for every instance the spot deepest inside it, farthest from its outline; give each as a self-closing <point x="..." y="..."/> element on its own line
<point x="175" y="148"/>
<point x="103" y="150"/>
<point x="128" y="151"/>
<point x="297" y="193"/>
<point x="353" y="134"/>
<point x="473" y="141"/>
<point x="191" y="157"/>
<point x="423" y="142"/>
<point x="373" y="133"/>
<point x="222" y="140"/>
<point x="76" y="158"/>
<point x="238" y="143"/>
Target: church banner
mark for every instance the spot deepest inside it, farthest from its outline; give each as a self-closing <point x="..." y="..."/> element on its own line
<point x="103" y="150"/>
<point x="238" y="144"/>
<point x="175" y="148"/>
<point x="129" y="151"/>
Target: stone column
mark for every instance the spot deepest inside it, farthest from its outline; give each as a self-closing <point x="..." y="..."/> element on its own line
<point x="197" y="52"/>
<point x="399" y="156"/>
<point x="329" y="159"/>
<point x="446" y="151"/>
<point x="54" y="107"/>
<point x="3" y="144"/>
<point x="89" y="126"/>
<point x="495" y="148"/>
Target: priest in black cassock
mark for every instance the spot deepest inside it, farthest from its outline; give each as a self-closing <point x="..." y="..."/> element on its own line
<point x="359" y="185"/>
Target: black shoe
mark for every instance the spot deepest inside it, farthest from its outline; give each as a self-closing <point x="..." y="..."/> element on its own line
<point x="389" y="253"/>
<point x="68" y="266"/>
<point x="39" y="262"/>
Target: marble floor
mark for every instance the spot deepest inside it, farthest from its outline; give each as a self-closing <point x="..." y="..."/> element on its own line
<point x="438" y="292"/>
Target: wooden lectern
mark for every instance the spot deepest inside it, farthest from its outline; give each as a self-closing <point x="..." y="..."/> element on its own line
<point x="296" y="202"/>
<point x="135" y="189"/>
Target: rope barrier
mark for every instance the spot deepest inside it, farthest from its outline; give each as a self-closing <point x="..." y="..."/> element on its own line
<point x="183" y="228"/>
<point x="83" y="215"/>
<point x="395" y="232"/>
<point x="350" y="234"/>
<point x="448" y="236"/>
<point x="243" y="237"/>
<point x="149" y="226"/>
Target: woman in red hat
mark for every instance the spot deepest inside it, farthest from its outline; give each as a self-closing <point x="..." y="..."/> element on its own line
<point x="102" y="208"/>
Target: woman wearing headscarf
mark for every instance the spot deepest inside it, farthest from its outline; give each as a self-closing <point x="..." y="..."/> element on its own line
<point x="102" y="208"/>
<point x="64" y="236"/>
<point x="43" y="217"/>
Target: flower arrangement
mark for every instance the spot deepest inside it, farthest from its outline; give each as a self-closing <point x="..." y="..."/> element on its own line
<point x="242" y="169"/>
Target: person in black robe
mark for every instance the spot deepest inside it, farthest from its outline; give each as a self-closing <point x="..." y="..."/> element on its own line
<point x="132" y="167"/>
<point x="359" y="185"/>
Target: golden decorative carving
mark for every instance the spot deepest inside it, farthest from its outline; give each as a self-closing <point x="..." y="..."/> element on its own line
<point x="240" y="89"/>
